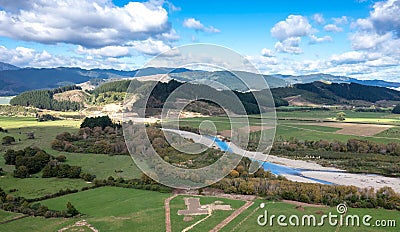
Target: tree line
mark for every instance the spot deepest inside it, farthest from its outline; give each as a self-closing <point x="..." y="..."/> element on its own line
<point x="14" y="204"/>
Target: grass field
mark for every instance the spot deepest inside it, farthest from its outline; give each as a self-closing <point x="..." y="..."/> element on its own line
<point x="217" y="216"/>
<point x="37" y="224"/>
<point x="244" y="222"/>
<point x="104" y="166"/>
<point x="117" y="209"/>
<point x="100" y="165"/>
<point x="120" y="209"/>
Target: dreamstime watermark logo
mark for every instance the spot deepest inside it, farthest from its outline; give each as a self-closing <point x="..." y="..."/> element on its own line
<point x="341" y="218"/>
<point x="229" y="73"/>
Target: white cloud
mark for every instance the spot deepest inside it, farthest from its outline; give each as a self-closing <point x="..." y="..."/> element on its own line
<point x="27" y="57"/>
<point x="150" y="46"/>
<point x="23" y="57"/>
<point x="267" y="53"/>
<point x="363" y="24"/>
<point x="88" y="23"/>
<point x="169" y="36"/>
<point x="108" y="51"/>
<point x="290" y="45"/>
<point x="364" y="40"/>
<point x="193" y="23"/>
<point x="341" y="20"/>
<point x="314" y="39"/>
<point x="293" y="26"/>
<point x="386" y="17"/>
<point x="319" y="18"/>
<point x="354" y="57"/>
<point x="332" y="28"/>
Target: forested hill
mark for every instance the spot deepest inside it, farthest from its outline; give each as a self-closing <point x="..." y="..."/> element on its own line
<point x="337" y="93"/>
<point x="43" y="99"/>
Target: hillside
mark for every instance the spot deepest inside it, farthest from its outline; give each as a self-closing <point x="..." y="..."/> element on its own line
<point x="5" y="66"/>
<point x="337" y="93"/>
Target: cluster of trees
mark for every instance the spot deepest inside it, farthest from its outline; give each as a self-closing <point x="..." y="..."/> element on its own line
<point x="396" y="109"/>
<point x="107" y="98"/>
<point x="96" y="140"/>
<point x="7" y="140"/>
<point x="27" y="161"/>
<point x="55" y="169"/>
<point x="101" y="121"/>
<point x="352" y="145"/>
<point x="46" y="117"/>
<point x="14" y="204"/>
<point x="65" y="89"/>
<point x="115" y="86"/>
<point x="32" y="160"/>
<point x="43" y="99"/>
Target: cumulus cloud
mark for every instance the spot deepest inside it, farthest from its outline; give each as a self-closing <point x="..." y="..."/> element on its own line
<point x="87" y="23"/>
<point x="293" y="26"/>
<point x="23" y="57"/>
<point x="193" y="23"/>
<point x="150" y="46"/>
<point x="290" y="31"/>
<point x="332" y="28"/>
<point x="364" y="40"/>
<point x="28" y="57"/>
<point x="108" y="51"/>
<point x="267" y="53"/>
<point x="380" y="31"/>
<point x="319" y="18"/>
<point x="290" y="45"/>
<point x="314" y="39"/>
<point x="386" y="17"/>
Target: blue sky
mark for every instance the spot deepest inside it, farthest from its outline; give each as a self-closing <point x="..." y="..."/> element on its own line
<point x="357" y="38"/>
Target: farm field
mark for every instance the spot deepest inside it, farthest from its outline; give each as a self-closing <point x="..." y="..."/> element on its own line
<point x="247" y="221"/>
<point x="37" y="224"/>
<point x="120" y="209"/>
<point x="364" y="125"/>
<point x="117" y="209"/>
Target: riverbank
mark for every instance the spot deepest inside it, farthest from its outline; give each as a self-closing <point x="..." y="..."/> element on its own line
<point x="307" y="171"/>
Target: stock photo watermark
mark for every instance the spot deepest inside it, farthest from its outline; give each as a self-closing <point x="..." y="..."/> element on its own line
<point x="339" y="218"/>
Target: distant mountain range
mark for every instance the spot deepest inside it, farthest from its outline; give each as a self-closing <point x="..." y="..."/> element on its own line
<point x="5" y="66"/>
<point x="336" y="79"/>
<point x="14" y="80"/>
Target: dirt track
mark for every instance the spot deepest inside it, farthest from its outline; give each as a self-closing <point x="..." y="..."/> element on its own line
<point x="232" y="216"/>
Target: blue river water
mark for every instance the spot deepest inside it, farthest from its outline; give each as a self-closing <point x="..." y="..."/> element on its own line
<point x="274" y="168"/>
